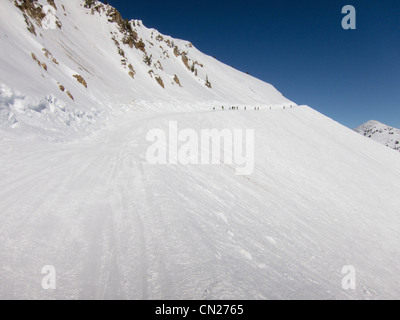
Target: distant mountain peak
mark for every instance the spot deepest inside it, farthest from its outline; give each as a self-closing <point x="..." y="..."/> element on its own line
<point x="381" y="133"/>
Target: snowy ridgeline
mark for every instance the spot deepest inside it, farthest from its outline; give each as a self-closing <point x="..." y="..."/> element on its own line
<point x="114" y="226"/>
<point x="381" y="133"/>
<point x="67" y="69"/>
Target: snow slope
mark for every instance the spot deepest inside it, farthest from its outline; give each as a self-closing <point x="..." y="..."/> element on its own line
<point x="77" y="193"/>
<point x="116" y="227"/>
<point x="90" y="46"/>
<point x="381" y="133"/>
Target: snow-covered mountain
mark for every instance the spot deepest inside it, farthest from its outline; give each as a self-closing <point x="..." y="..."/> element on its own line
<point x="74" y="60"/>
<point x="81" y="88"/>
<point x="381" y="133"/>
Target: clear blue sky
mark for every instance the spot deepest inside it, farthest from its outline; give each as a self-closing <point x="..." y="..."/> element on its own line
<point x="298" y="46"/>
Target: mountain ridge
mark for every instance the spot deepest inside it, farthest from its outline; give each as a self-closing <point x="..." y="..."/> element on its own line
<point x="79" y="195"/>
<point x="380" y="133"/>
<point x="83" y="63"/>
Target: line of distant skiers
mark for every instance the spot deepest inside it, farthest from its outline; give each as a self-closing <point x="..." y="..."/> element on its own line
<point x="245" y="108"/>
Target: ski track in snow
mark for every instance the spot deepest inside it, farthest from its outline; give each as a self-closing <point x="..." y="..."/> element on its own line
<point x="77" y="193"/>
<point x="116" y="227"/>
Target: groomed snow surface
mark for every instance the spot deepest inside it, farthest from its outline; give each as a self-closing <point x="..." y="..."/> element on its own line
<point x="321" y="197"/>
<point x="77" y="192"/>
